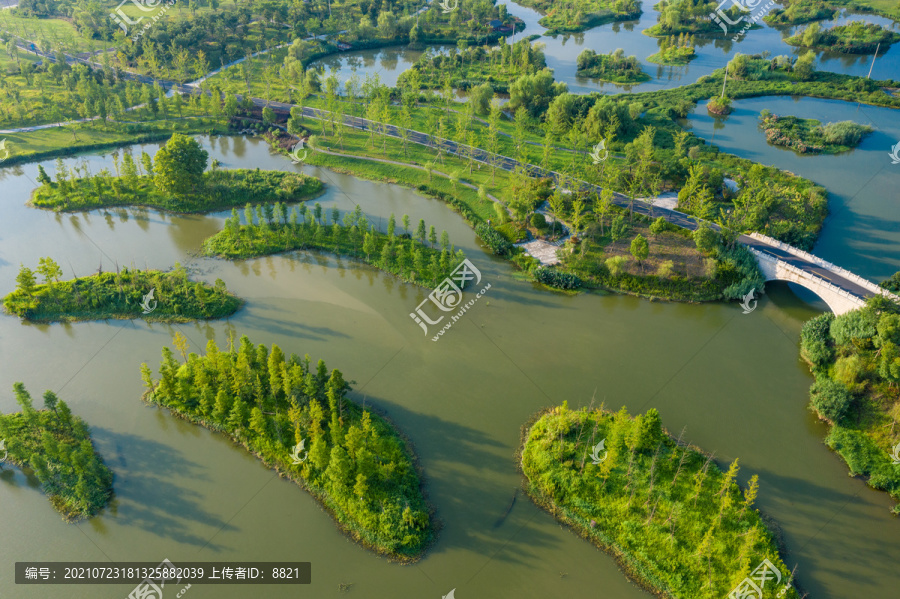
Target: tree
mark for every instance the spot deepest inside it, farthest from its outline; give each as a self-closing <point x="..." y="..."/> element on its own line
<point x="405" y="223"/>
<point x="268" y="115"/>
<point x="25" y="280"/>
<point x="49" y="270"/>
<point x="830" y="399"/>
<point x="640" y="249"/>
<point x="179" y="165"/>
<point x="43" y="178"/>
<point x="421" y="232"/>
<point x="805" y="68"/>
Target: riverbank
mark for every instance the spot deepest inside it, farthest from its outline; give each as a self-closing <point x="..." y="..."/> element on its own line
<point x="856" y="362"/>
<point x="677" y="525"/>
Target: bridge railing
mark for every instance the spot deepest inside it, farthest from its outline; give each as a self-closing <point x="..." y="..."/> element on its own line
<point x="862" y="282"/>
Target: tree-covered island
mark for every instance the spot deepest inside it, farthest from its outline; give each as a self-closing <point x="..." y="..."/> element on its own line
<point x="57" y="447"/>
<point x="298" y="421"/>
<point x="174" y="179"/>
<point x="614" y="67"/>
<point x="856" y="37"/>
<point x="578" y="15"/>
<point x="273" y="228"/>
<point x="127" y="293"/>
<point x="677" y="524"/>
<point x="809" y="136"/>
<point x="677" y="50"/>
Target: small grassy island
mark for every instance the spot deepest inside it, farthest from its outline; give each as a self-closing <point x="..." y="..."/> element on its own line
<point x="614" y="67"/>
<point x="173" y="180"/>
<point x="853" y="38"/>
<point x="130" y="293"/>
<point x="855" y="358"/>
<point x="675" y="522"/>
<point x="298" y="421"/>
<point x="678" y="51"/>
<point x="719" y="105"/>
<point x="800" y="11"/>
<point x="691" y="16"/>
<point x="57" y="447"/>
<point x="808" y="136"/>
<point x="484" y="70"/>
<point x="580" y="15"/>
<point x="270" y="229"/>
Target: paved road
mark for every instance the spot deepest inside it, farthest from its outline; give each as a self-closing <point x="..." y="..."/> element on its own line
<point x="510" y="164"/>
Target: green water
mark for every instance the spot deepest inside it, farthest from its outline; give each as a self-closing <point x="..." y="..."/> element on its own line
<point x="734" y="381"/>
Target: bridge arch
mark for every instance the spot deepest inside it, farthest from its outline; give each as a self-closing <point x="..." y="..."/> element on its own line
<point x="838" y="300"/>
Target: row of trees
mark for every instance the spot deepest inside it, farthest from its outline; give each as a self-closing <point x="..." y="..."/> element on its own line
<point x="273" y="228"/>
<point x="57" y="446"/>
<point x="277" y="405"/>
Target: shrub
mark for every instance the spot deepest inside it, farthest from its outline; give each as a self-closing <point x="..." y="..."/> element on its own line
<point x="830" y="399"/>
<point x="615" y="265"/>
<point x="857" y="327"/>
<point x="815" y="340"/>
<point x="659" y="226"/>
<point x="556" y="278"/>
<point x="538" y="221"/>
<point x="494" y="240"/>
<point x="705" y="238"/>
<point x="738" y="269"/>
<point x="850" y="371"/>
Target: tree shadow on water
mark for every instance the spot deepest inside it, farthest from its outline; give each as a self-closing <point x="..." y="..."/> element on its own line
<point x="480" y="510"/>
<point x="150" y="489"/>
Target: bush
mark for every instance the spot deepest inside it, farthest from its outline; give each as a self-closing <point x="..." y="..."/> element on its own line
<point x="659" y="226"/>
<point x="857" y="327"/>
<point x="494" y="240"/>
<point x="815" y="340"/>
<point x="556" y="278"/>
<point x="830" y="399"/>
<point x="538" y="221"/>
<point x="738" y="269"/>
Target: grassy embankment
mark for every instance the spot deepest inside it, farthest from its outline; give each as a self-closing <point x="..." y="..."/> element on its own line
<point x="120" y="295"/>
<point x="297" y="420"/>
<point x="675" y="522"/>
<point x="57" y="447"/>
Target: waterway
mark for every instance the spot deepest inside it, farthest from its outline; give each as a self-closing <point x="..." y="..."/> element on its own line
<point x="732" y="380"/>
